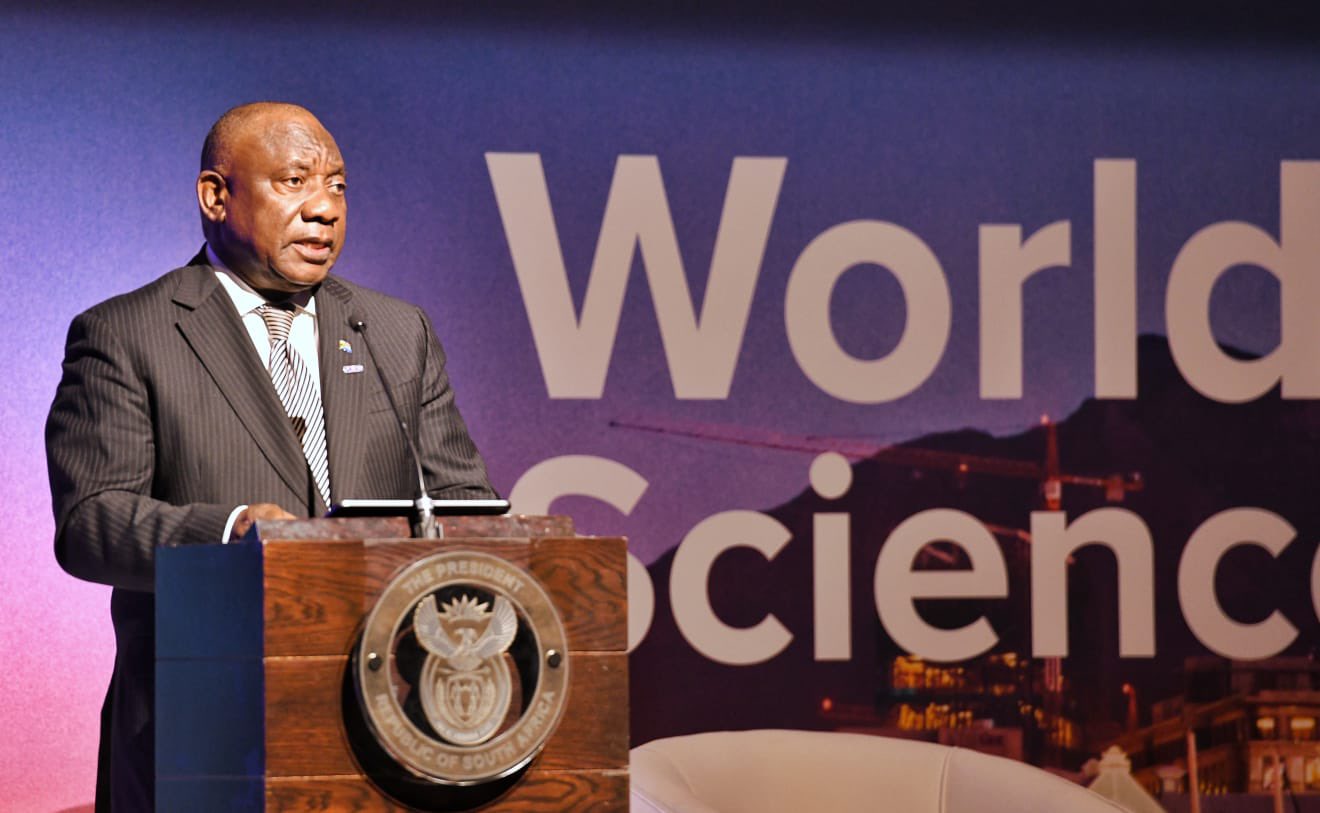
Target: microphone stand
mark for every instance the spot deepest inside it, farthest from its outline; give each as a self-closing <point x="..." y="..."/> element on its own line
<point x="424" y="526"/>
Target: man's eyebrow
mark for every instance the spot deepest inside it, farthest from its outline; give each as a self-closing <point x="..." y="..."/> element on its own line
<point x="304" y="166"/>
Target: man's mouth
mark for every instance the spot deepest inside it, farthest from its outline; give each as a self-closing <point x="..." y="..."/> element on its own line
<point x="313" y="249"/>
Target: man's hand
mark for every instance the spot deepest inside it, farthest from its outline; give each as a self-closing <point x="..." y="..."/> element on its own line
<point x="249" y="515"/>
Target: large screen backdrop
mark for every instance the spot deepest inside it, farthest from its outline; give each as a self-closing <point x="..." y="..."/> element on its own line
<point x="784" y="304"/>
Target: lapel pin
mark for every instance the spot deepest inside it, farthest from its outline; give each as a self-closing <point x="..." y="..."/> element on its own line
<point x="345" y="347"/>
<point x="352" y="368"/>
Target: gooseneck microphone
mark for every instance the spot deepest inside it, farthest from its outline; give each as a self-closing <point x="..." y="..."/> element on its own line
<point x="424" y="504"/>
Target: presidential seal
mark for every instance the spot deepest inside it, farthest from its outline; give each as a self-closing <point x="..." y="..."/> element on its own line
<point x="466" y="686"/>
<point x="462" y="670"/>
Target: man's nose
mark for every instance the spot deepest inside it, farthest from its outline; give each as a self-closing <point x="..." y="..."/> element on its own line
<point x="323" y="206"/>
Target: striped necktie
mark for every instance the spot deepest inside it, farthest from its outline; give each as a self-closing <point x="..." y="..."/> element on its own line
<point x="299" y="392"/>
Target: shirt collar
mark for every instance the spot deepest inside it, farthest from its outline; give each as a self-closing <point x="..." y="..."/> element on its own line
<point x="244" y="297"/>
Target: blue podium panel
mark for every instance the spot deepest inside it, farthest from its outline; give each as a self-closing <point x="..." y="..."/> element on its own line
<point x="210" y="718"/>
<point x="211" y="794"/>
<point x="210" y="683"/>
<point x="214" y="598"/>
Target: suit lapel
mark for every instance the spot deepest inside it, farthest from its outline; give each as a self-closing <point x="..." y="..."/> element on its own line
<point x="344" y="371"/>
<point x="216" y="334"/>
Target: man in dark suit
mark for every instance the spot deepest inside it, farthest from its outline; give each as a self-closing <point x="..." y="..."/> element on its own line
<point x="168" y="427"/>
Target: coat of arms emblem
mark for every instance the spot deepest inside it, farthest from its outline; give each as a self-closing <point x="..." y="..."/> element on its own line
<point x="465" y="683"/>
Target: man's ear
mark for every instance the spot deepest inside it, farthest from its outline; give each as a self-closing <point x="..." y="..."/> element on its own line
<point x="212" y="195"/>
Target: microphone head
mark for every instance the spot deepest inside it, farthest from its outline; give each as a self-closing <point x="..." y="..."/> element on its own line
<point x="355" y="322"/>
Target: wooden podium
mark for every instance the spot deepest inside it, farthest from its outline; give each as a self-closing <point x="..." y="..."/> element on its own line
<point x="254" y="645"/>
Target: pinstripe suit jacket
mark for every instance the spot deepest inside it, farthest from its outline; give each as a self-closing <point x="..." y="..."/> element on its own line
<point x="165" y="420"/>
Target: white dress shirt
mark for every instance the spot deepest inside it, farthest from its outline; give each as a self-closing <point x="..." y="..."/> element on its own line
<point x="302" y="335"/>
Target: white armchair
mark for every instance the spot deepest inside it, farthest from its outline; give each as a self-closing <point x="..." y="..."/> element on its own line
<point x="825" y="772"/>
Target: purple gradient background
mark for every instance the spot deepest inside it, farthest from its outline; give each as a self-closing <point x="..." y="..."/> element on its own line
<point x="104" y="114"/>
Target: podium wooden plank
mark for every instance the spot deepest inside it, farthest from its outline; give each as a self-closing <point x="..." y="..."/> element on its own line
<point x="314" y="794"/>
<point x="313" y="596"/>
<point x="594" y="730"/>
<point x="556" y="791"/>
<point x="539" y="792"/>
<point x="304" y="730"/>
<point x="587" y="576"/>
